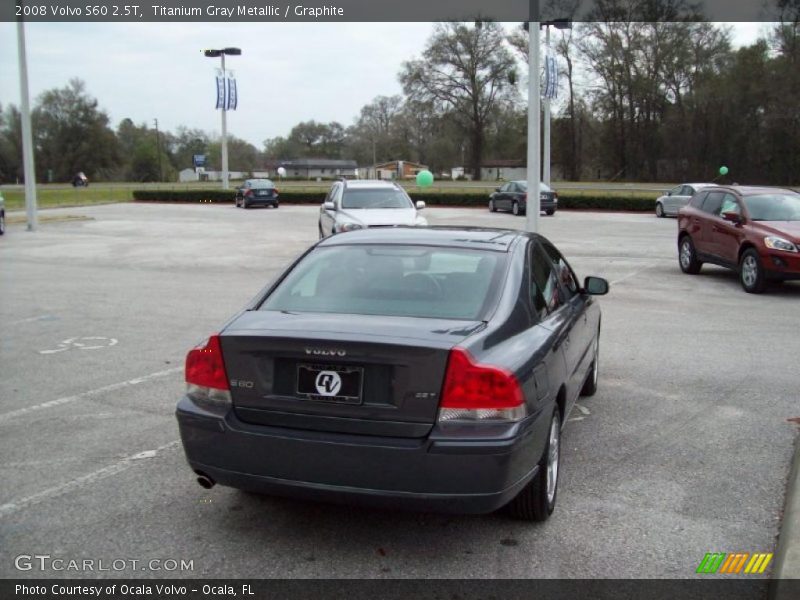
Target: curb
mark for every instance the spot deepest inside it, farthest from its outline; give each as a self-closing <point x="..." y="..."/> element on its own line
<point x="787" y="556"/>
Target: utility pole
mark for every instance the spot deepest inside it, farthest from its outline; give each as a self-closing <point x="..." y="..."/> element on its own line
<point x="29" y="167"/>
<point x="533" y="203"/>
<point x="158" y="152"/>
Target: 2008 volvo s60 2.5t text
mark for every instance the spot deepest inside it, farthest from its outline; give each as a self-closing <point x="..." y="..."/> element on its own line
<point x="422" y="368"/>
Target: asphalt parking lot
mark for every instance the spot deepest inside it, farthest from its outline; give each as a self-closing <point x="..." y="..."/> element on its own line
<point x="684" y="450"/>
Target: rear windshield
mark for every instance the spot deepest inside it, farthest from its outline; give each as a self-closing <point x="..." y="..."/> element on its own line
<point x="375" y="198"/>
<point x="773" y="207"/>
<point x="412" y="281"/>
<point x="260" y="183"/>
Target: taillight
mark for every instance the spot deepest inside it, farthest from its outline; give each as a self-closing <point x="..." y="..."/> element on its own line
<point x="474" y="391"/>
<point x="248" y="192"/>
<point x="275" y="192"/>
<point x="206" y="379"/>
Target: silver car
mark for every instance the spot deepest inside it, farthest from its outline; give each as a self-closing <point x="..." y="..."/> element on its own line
<point x="670" y="203"/>
<point x="352" y="205"/>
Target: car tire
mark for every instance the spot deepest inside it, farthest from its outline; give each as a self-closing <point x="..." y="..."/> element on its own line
<point x="537" y="500"/>
<point x="515" y="208"/>
<point x="660" y="210"/>
<point x="550" y="212"/>
<point x="590" y="385"/>
<point x="492" y="207"/>
<point x="751" y="272"/>
<point x="2" y="222"/>
<point x="687" y="257"/>
<point x="275" y="205"/>
<point x="245" y="204"/>
<point x="236" y="202"/>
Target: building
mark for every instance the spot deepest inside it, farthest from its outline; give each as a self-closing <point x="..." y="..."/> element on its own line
<point x="313" y="168"/>
<point x="395" y="169"/>
<point x="504" y="170"/>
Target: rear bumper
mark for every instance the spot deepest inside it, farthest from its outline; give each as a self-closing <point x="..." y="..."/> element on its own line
<point x="256" y="200"/>
<point x="443" y="474"/>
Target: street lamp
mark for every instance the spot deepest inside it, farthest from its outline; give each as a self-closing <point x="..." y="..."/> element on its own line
<point x="221" y="54"/>
<point x="534" y="115"/>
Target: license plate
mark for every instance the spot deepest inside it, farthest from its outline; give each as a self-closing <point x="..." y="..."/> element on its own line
<point x="330" y="383"/>
<point x="262" y="193"/>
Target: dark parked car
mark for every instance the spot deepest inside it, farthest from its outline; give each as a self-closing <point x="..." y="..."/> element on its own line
<point x="2" y="214"/>
<point x="513" y="196"/>
<point x="80" y="180"/>
<point x="424" y="368"/>
<point x="753" y="230"/>
<point x="257" y="191"/>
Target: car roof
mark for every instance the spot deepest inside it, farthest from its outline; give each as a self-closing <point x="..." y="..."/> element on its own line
<point x="749" y="190"/>
<point x="369" y="183"/>
<point x="479" y="238"/>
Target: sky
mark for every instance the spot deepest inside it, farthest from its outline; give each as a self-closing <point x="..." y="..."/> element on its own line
<point x="287" y="73"/>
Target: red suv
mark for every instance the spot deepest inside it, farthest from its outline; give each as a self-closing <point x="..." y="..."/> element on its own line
<point x="753" y="230"/>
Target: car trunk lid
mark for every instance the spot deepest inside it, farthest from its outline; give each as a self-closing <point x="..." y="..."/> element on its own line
<point x="363" y="374"/>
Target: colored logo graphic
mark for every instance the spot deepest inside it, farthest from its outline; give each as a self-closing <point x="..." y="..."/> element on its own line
<point x="735" y="563"/>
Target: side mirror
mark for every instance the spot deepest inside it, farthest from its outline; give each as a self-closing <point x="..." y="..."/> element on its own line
<point x="420" y="205"/>
<point x="595" y="286"/>
<point x="496" y="189"/>
<point x="329" y="206"/>
<point x="669" y="193"/>
<point x="733" y="217"/>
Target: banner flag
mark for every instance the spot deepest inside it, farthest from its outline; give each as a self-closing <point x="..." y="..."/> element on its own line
<point x="550" y="77"/>
<point x="220" y="92"/>
<point x="233" y="96"/>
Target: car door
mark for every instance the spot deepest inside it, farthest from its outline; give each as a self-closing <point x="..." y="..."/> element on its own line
<point x="503" y="200"/>
<point x="704" y="242"/>
<point x="585" y="320"/>
<point x="327" y="217"/>
<point x="671" y="200"/>
<point x="565" y="316"/>
<point x="726" y="235"/>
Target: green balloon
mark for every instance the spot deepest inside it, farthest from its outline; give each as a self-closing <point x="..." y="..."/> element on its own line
<point x="723" y="170"/>
<point x="424" y="178"/>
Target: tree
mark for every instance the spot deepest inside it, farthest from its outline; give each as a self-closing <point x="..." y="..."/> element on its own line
<point x="465" y="70"/>
<point x="71" y="134"/>
<point x="10" y="145"/>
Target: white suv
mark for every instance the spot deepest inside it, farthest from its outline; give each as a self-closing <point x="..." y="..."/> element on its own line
<point x="353" y="205"/>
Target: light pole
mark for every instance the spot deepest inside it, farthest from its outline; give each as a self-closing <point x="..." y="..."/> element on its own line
<point x="29" y="167"/>
<point x="533" y="202"/>
<point x="213" y="54"/>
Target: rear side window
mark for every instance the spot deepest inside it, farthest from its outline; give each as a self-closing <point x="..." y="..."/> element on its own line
<point x="729" y="204"/>
<point x="697" y="199"/>
<point x="412" y="281"/>
<point x="712" y="203"/>
<point x="544" y="291"/>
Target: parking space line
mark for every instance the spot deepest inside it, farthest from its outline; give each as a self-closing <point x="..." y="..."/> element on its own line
<point x="629" y="275"/>
<point x="118" y="467"/>
<point x="68" y="399"/>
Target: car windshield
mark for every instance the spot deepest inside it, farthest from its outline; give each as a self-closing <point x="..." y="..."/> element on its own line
<point x="375" y="198"/>
<point x="773" y="207"/>
<point x="411" y="281"/>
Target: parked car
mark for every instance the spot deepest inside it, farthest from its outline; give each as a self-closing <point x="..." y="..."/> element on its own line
<point x="2" y="214"/>
<point x="422" y="368"/>
<point x="513" y="196"/>
<point x="352" y="205"/>
<point x="80" y="180"/>
<point x="256" y="191"/>
<point x="670" y="203"/>
<point x="753" y="230"/>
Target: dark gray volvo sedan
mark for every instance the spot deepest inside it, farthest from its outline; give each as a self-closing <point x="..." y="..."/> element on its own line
<point x="421" y="368"/>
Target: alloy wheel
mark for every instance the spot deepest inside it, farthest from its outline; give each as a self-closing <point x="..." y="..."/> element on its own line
<point x="553" y="448"/>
